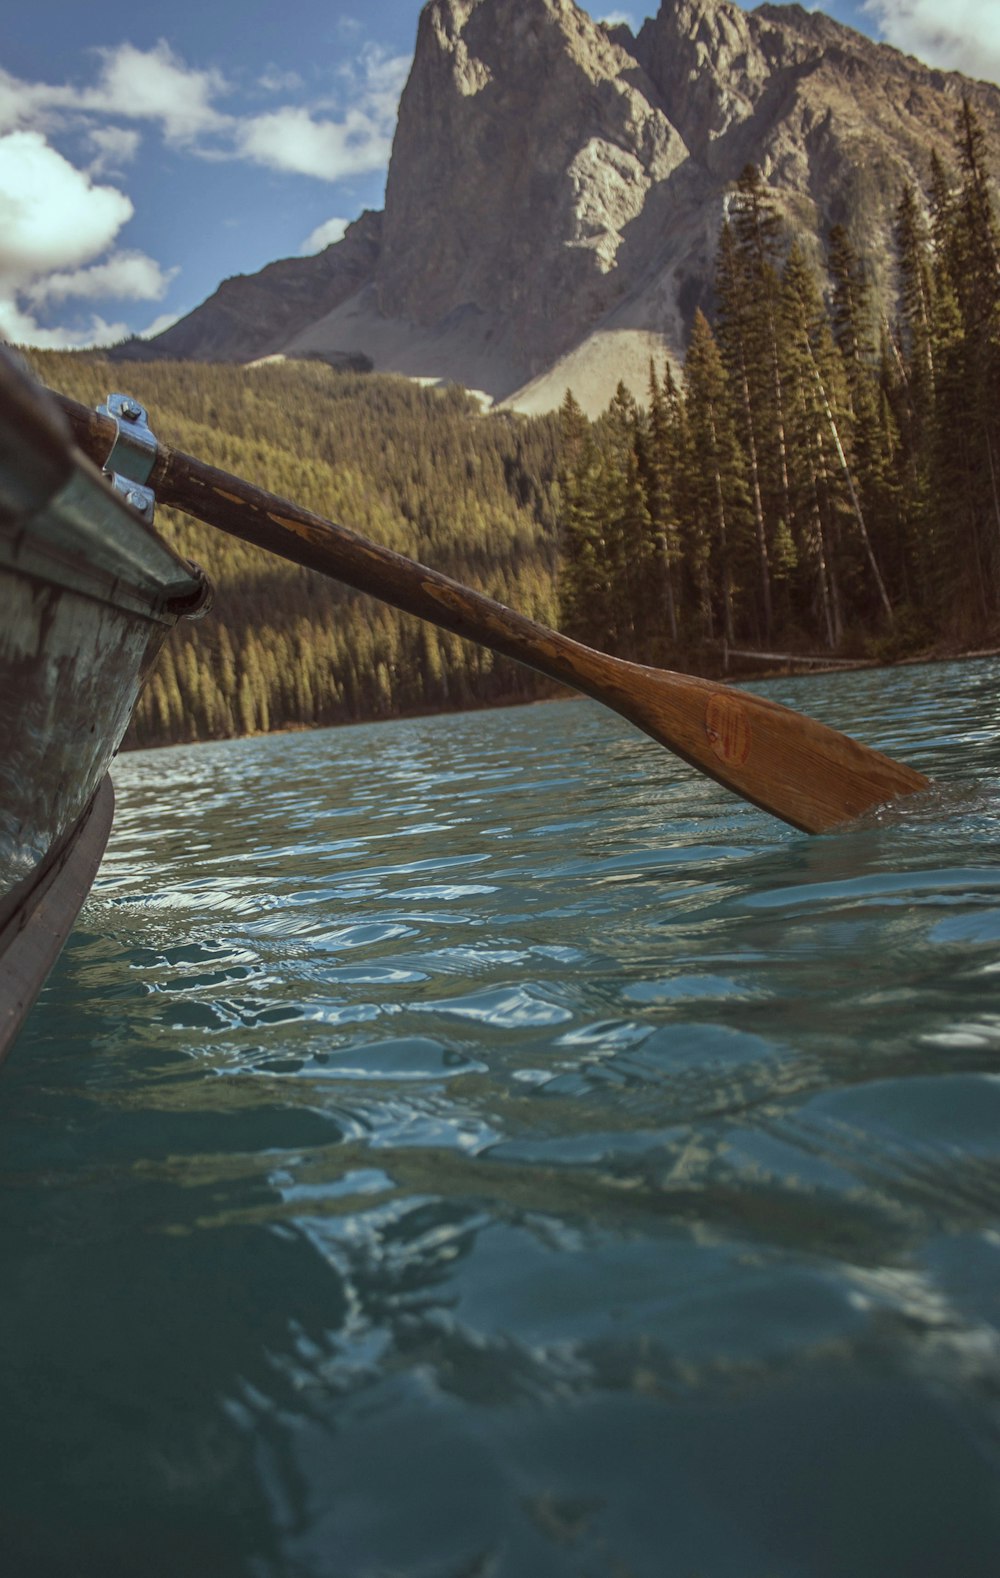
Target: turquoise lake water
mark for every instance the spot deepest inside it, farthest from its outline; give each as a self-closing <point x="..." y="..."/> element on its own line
<point x="479" y="1147"/>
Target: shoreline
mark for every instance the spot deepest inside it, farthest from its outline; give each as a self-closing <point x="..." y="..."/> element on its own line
<point x="797" y="668"/>
<point x="792" y="670"/>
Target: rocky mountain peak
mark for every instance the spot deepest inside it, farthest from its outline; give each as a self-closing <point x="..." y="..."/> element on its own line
<point x="556" y="188"/>
<point x="710" y="62"/>
<point x="524" y="150"/>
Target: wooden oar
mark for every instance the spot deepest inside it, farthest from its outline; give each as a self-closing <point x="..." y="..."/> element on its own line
<point x="790" y="765"/>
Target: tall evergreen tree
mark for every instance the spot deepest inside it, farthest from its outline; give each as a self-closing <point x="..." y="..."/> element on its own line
<point x="908" y="383"/>
<point x="583" y="578"/>
<point x="870" y="460"/>
<point x="916" y="299"/>
<point x="850" y="301"/>
<point x="628" y="538"/>
<point x="761" y="245"/>
<point x="975" y="256"/>
<point x="718" y="492"/>
<point x="738" y="351"/>
<point x="810" y="333"/>
<point x="658" y="464"/>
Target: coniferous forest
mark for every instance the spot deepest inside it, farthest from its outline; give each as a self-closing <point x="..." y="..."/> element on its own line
<point x="420" y="470"/>
<point x="823" y="478"/>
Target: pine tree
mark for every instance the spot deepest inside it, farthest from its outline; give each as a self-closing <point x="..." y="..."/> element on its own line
<point x="658" y="466"/>
<point x="916" y="298"/>
<point x="818" y="497"/>
<point x="850" y="300"/>
<point x="737" y="351"/>
<point x="761" y="244"/>
<point x="811" y="342"/>
<point x="975" y="229"/>
<point x="908" y="380"/>
<point x="627" y="535"/>
<point x="717" y="485"/>
<point x="975" y="254"/>
<point x="963" y="355"/>
<point x="582" y="575"/>
<point x="870" y="460"/>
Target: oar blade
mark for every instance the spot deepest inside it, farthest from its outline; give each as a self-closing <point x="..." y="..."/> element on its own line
<point x="796" y="768"/>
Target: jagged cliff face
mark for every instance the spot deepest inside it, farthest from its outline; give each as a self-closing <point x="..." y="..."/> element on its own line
<point x="556" y="188"/>
<point x="527" y="147"/>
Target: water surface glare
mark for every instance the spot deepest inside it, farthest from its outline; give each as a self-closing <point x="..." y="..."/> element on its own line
<point x="480" y="1147"/>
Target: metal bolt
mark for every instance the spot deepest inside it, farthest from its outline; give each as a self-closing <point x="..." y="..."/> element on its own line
<point x="138" y="501"/>
<point x="130" y="410"/>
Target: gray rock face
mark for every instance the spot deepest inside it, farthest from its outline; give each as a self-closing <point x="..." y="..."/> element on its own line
<point x="254" y="315"/>
<point x="556" y="188"/>
<point x="527" y="147"/>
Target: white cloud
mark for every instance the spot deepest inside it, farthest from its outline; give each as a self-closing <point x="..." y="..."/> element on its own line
<point x="327" y="141"/>
<point x="373" y="81"/>
<point x="619" y="19"/>
<point x="125" y="276"/>
<point x="165" y="320"/>
<point x="323" y="236"/>
<point x="58" y="222"/>
<point x="272" y="80"/>
<point x="960" y="35"/>
<point x="28" y="104"/>
<point x="156" y="85"/>
<point x="114" y="145"/>
<point x="53" y="221"/>
<point x="311" y="142"/>
<point x="382" y="72"/>
<point x="51" y="215"/>
<point x="21" y="328"/>
<point x="291" y="139"/>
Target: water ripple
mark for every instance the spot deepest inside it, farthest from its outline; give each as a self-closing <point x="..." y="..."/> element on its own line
<point x="481" y="1145"/>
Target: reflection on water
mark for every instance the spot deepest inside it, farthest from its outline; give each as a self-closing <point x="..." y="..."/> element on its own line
<point x="480" y="1146"/>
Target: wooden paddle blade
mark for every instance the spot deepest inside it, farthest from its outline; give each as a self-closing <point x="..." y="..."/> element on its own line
<point x="788" y="764"/>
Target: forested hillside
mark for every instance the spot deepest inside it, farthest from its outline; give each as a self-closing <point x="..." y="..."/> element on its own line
<point x="826" y="476"/>
<point x="420" y="470"/>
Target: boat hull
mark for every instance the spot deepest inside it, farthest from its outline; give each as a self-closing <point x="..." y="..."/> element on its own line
<point x="39" y="923"/>
<point x="71" y="669"/>
<point x="88" y="593"/>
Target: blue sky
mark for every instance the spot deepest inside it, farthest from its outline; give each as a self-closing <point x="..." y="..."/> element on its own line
<point x="147" y="152"/>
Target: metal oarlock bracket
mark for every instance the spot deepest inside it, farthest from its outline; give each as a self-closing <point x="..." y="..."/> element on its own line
<point x="133" y="453"/>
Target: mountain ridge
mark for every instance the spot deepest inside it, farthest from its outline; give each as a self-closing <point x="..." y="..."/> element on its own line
<point x="556" y="188"/>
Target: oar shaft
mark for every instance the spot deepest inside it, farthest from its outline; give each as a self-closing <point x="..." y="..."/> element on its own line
<point x="286" y="529"/>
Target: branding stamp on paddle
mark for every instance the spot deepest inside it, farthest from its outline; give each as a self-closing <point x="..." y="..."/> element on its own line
<point x="728" y="730"/>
